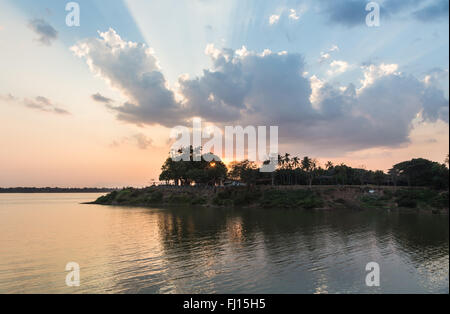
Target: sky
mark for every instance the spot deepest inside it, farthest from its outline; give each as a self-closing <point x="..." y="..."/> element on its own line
<point x="94" y="104"/>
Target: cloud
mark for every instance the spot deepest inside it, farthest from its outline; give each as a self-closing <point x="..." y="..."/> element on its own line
<point x="47" y="34"/>
<point x="347" y="12"/>
<point x="293" y="15"/>
<point x="244" y="87"/>
<point x="434" y="11"/>
<point x="273" y="19"/>
<point x="326" y="55"/>
<point x="143" y="141"/>
<point x="435" y="105"/>
<point x="140" y="140"/>
<point x="39" y="103"/>
<point x="334" y="48"/>
<point x="133" y="69"/>
<point x="351" y="13"/>
<point x="373" y="72"/>
<point x="100" y="98"/>
<point x="290" y="14"/>
<point x="437" y="77"/>
<point x="338" y="67"/>
<point x="270" y="89"/>
<point x="246" y="84"/>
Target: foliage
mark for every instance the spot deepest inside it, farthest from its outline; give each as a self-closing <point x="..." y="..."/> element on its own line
<point x="208" y="170"/>
<point x="422" y="172"/>
<point x="293" y="170"/>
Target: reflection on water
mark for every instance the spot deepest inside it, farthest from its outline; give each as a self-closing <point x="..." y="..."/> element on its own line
<point x="198" y="250"/>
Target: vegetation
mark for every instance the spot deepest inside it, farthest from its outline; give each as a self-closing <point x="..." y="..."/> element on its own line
<point x="418" y="183"/>
<point x="294" y="171"/>
<point x="209" y="170"/>
<point x="317" y="197"/>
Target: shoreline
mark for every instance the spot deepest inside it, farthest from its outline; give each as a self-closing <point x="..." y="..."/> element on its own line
<point x="291" y="197"/>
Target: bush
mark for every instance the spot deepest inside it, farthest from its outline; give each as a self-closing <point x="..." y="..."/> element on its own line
<point x="299" y="198"/>
<point x="407" y="202"/>
<point x="198" y="201"/>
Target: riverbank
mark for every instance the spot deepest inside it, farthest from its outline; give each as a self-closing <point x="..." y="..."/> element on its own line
<point x="317" y="197"/>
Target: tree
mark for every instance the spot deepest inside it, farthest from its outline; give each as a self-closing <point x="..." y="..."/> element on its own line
<point x="394" y="174"/>
<point x="379" y="177"/>
<point x="183" y="172"/>
<point x="329" y="165"/>
<point x="423" y="172"/>
<point x="245" y="171"/>
<point x="309" y="166"/>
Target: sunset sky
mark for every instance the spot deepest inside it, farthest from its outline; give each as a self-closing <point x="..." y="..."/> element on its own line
<point x="94" y="105"/>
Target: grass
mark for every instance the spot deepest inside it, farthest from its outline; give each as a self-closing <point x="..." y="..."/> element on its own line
<point x="279" y="198"/>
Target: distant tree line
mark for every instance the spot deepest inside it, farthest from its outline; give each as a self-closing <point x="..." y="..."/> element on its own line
<point x="54" y="190"/>
<point x="292" y="170"/>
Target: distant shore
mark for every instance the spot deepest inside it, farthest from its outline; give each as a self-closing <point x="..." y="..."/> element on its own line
<point x="55" y="190"/>
<point x="302" y="197"/>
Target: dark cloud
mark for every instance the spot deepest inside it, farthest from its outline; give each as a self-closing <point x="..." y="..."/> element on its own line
<point x="435" y="105"/>
<point x="345" y="12"/>
<point x="100" y="98"/>
<point x="432" y="12"/>
<point x="255" y="87"/>
<point x="353" y="12"/>
<point x="395" y="6"/>
<point x="248" y="88"/>
<point x="47" y="34"/>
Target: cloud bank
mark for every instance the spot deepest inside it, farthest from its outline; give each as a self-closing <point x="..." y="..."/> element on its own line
<point x="248" y="88"/>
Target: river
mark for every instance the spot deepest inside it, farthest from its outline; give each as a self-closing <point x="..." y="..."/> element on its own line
<point x="206" y="250"/>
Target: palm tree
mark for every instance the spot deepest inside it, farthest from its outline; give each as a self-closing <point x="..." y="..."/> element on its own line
<point x="287" y="160"/>
<point x="309" y="166"/>
<point x="329" y="165"/>
<point x="295" y="164"/>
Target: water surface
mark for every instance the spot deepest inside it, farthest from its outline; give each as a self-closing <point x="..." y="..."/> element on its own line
<point x="200" y="250"/>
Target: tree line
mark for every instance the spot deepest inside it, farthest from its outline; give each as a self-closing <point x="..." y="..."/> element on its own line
<point x="292" y="170"/>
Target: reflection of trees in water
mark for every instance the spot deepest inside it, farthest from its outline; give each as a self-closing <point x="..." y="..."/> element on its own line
<point x="188" y="232"/>
<point x="183" y="231"/>
<point x="420" y="236"/>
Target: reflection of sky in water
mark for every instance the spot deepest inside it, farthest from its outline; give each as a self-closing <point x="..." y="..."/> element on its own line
<point x="189" y="250"/>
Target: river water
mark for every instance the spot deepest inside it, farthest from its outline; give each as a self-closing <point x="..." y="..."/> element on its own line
<point x="203" y="250"/>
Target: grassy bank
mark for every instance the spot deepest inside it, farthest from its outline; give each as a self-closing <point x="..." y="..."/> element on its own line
<point x="318" y="197"/>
